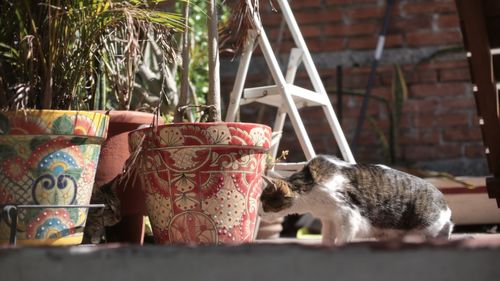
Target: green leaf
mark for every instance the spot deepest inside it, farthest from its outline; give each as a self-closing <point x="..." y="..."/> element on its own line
<point x="381" y="137"/>
<point x="399" y="93"/>
<point x="4" y="125"/>
<point x="62" y="125"/>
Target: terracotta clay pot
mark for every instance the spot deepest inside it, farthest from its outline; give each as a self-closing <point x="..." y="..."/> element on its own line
<point x="202" y="181"/>
<point x="49" y="157"/>
<point x="114" y="153"/>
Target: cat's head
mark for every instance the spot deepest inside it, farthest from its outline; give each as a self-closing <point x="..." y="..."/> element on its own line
<point x="317" y="171"/>
<point x="277" y="196"/>
<point x="280" y="195"/>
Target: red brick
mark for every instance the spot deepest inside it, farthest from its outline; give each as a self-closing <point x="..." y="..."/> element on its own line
<point x="323" y="16"/>
<point x="350" y="2"/>
<point x="419" y="137"/>
<point x="474" y="150"/>
<point x="448" y="21"/>
<point x="427" y="76"/>
<point x="370" y="42"/>
<point x="352" y="29"/>
<point x="418" y="152"/>
<point x="352" y="108"/>
<point x="452" y="120"/>
<point x="327" y="45"/>
<point x="355" y="81"/>
<point x="371" y="154"/>
<point x="456" y="74"/>
<point x="410" y="24"/>
<point x="449" y="151"/>
<point x="431" y="152"/>
<point x="432" y="7"/>
<point x="271" y="19"/>
<point x="459" y="103"/>
<point x="368" y="137"/>
<point x="437" y="90"/>
<point x="308" y="31"/>
<point x="382" y="92"/>
<point x="427" y="38"/>
<point x="305" y="4"/>
<point x="365" y="13"/>
<point x="364" y="69"/>
<point x="461" y="134"/>
<point x="413" y="75"/>
<point x="423" y="121"/>
<point x="444" y="64"/>
<point x="421" y="106"/>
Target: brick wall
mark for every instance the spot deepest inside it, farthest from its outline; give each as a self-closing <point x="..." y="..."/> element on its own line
<point x="439" y="127"/>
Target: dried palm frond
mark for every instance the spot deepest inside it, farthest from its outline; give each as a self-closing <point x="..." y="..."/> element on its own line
<point x="235" y="30"/>
<point x="50" y="47"/>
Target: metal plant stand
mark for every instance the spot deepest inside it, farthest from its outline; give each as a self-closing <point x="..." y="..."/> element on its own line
<point x="9" y="214"/>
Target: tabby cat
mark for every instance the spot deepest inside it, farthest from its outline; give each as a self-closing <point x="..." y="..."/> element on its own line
<point x="359" y="200"/>
<point x="99" y="218"/>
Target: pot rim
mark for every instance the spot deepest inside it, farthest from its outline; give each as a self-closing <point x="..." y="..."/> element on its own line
<point x="96" y="119"/>
<point x="206" y="125"/>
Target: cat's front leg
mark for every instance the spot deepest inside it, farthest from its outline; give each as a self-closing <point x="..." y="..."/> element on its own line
<point x="328" y="235"/>
<point x="347" y="227"/>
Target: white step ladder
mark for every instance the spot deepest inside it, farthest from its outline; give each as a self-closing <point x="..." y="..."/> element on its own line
<point x="284" y="95"/>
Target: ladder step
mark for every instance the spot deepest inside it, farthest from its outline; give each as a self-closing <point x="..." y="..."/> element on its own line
<point x="283" y="170"/>
<point x="271" y="95"/>
<point x="289" y="166"/>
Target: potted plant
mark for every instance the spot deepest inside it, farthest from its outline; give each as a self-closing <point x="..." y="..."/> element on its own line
<point x="202" y="180"/>
<point x="48" y="60"/>
<point x="135" y="79"/>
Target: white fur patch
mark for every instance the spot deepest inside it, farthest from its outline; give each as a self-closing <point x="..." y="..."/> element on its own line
<point x="383" y="167"/>
<point x="436" y="227"/>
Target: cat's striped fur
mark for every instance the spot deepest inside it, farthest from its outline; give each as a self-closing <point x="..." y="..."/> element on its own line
<point x="359" y="200"/>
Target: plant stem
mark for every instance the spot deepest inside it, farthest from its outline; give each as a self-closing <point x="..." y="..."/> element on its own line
<point x="186" y="49"/>
<point x="213" y="97"/>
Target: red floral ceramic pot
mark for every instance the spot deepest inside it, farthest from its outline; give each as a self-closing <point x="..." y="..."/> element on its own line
<point x="202" y="180"/>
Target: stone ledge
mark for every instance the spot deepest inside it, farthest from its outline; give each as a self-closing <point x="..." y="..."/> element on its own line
<point x="460" y="259"/>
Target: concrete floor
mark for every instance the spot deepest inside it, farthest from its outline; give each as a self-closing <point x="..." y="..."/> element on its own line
<point x="465" y="257"/>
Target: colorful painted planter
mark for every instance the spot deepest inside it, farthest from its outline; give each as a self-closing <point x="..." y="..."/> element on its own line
<point x="202" y="180"/>
<point x="49" y="157"/>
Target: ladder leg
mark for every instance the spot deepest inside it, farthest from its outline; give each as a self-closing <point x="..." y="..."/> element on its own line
<point x="301" y="44"/>
<point x="279" y="123"/>
<point x="289" y="104"/>
<point x="338" y="134"/>
<point x="241" y="75"/>
<point x="316" y="80"/>
<point x="293" y="64"/>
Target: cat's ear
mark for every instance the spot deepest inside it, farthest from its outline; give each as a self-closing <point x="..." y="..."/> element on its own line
<point x="316" y="168"/>
<point x="284" y="187"/>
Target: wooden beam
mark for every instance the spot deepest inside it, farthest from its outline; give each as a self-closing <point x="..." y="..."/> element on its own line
<point x="481" y="65"/>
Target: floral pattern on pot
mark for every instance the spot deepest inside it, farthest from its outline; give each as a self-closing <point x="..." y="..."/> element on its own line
<point x="202" y="180"/>
<point x="48" y="157"/>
